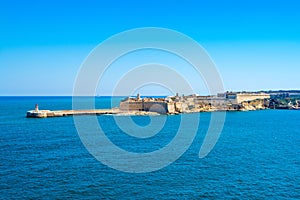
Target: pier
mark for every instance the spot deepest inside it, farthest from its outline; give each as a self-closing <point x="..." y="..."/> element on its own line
<point x="36" y="113"/>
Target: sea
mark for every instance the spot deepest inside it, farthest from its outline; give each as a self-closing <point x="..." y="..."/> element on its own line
<point x="257" y="156"/>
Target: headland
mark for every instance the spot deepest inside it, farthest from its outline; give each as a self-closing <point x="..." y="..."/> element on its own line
<point x="228" y="101"/>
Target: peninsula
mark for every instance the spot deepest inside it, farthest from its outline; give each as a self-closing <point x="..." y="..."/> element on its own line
<point x="228" y="101"/>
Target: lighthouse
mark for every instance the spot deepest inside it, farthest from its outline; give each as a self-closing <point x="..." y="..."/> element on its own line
<point x="36" y="108"/>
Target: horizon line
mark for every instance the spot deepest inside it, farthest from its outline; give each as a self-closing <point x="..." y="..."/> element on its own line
<point x="97" y="95"/>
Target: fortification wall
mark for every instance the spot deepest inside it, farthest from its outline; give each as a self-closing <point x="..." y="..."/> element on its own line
<point x="212" y="101"/>
<point x="160" y="107"/>
<point x="153" y="106"/>
<point x="131" y="105"/>
<point x="250" y="97"/>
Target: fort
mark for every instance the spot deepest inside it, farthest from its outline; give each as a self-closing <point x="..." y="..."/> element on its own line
<point x="159" y="105"/>
<point x="194" y="103"/>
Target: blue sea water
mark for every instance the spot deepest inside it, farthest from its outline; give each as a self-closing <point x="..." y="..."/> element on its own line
<point x="256" y="157"/>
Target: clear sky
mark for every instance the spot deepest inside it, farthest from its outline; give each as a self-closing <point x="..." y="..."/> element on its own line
<point x="255" y="44"/>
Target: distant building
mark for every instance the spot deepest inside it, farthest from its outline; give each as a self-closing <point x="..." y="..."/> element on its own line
<point x="237" y="98"/>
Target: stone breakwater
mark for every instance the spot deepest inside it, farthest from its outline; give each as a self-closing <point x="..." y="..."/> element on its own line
<point x="62" y="113"/>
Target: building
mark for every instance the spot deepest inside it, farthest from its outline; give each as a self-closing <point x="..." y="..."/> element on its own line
<point x="237" y="98"/>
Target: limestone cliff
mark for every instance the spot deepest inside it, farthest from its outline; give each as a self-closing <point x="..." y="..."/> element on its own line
<point x="258" y="104"/>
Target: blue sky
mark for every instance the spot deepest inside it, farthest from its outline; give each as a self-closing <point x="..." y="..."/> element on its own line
<point x="254" y="44"/>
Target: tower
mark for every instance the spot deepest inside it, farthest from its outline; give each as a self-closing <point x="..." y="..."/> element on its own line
<point x="36" y="107"/>
<point x="138" y="97"/>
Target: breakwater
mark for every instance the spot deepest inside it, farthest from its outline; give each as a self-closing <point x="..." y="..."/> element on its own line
<point x="63" y="113"/>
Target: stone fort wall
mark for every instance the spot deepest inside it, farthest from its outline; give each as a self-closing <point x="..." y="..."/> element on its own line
<point x="155" y="106"/>
<point x="250" y="97"/>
